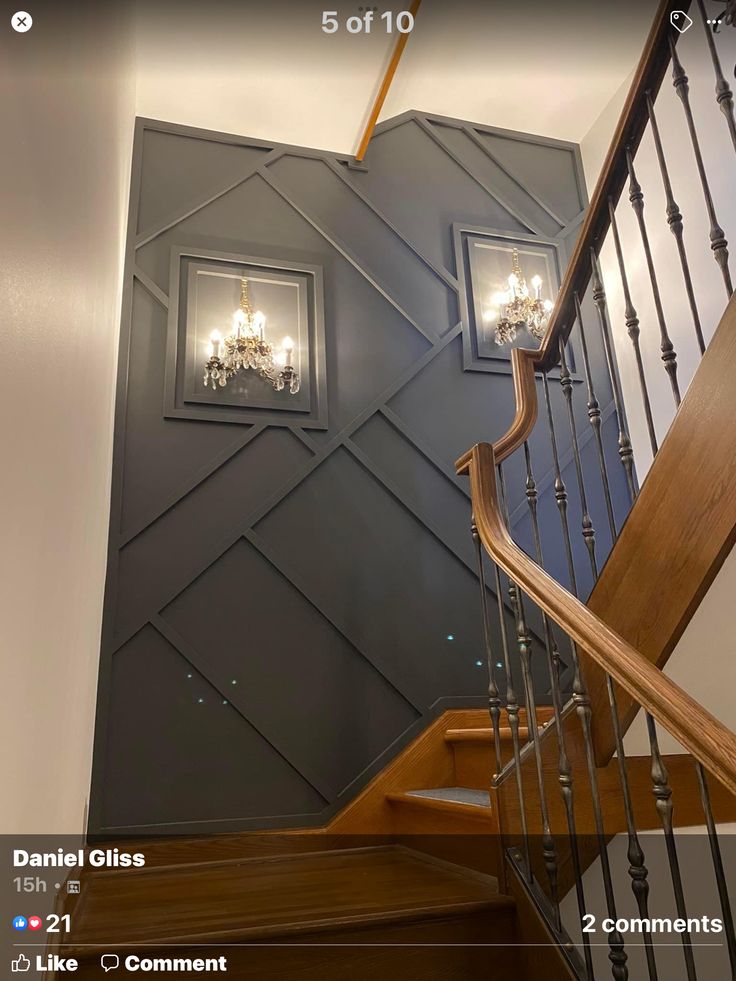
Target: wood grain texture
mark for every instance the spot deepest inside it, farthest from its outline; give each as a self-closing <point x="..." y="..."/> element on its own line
<point x="687" y="812"/>
<point x="679" y="531"/>
<point x="695" y="729"/>
<point x="342" y="903"/>
<point x="259" y="899"/>
<point x="409" y="951"/>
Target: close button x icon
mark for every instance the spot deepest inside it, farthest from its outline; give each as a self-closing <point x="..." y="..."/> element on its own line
<point x="21" y="21"/>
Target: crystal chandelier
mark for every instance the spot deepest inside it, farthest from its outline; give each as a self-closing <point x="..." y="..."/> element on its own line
<point x="246" y="348"/>
<point x="516" y="308"/>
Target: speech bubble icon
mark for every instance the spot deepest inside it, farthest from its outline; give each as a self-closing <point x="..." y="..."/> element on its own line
<point x="109" y="962"/>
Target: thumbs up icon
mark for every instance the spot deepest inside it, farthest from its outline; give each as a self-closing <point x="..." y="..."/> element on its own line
<point x="21" y="964"/>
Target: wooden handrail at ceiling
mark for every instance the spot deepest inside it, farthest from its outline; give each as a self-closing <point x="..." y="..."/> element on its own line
<point x="383" y="90"/>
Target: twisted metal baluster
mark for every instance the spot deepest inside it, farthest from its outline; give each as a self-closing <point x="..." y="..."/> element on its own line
<point x="594" y="417"/>
<point x="625" y="451"/>
<point x="674" y="220"/>
<point x="564" y="769"/>
<point x="512" y="713"/>
<point x="724" y="95"/>
<point x="663" y="797"/>
<point x="632" y="326"/>
<point x="715" y="850"/>
<point x="494" y="701"/>
<point x="669" y="356"/>
<point x="588" y="529"/>
<point x="560" y="489"/>
<point x="718" y="242"/>
<point x="524" y="641"/>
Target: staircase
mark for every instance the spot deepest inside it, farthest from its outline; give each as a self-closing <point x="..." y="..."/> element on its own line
<point x="403" y="880"/>
<point x="456" y="860"/>
<point x="570" y="788"/>
<point x="329" y="914"/>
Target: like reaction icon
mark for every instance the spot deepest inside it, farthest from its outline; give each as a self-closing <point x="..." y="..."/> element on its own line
<point x="20" y="923"/>
<point x="20" y="965"/>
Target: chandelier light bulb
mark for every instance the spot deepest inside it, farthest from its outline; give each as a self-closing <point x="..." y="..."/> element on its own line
<point x="288" y="347"/>
<point x="548" y="304"/>
<point x="513" y="282"/>
<point x="214" y="346"/>
<point x="280" y="359"/>
<point x="537" y="285"/>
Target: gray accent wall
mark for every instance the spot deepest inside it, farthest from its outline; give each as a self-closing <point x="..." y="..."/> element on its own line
<point x="287" y="607"/>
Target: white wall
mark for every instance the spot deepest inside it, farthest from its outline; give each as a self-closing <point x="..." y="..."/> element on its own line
<point x="67" y="118"/>
<point x="704" y="662"/>
<point x="720" y="163"/>
<point x="268" y="71"/>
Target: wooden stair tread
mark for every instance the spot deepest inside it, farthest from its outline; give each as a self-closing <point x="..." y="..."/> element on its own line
<point x="276" y="897"/>
<point x="483" y="735"/>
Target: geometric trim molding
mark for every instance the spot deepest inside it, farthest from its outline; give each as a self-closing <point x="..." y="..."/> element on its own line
<point x="185" y="397"/>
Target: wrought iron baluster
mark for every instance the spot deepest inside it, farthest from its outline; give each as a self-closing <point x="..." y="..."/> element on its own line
<point x="588" y="529"/>
<point x="669" y="356"/>
<point x="564" y="768"/>
<point x="494" y="700"/>
<point x="581" y="700"/>
<point x="625" y="451"/>
<point x="674" y="220"/>
<point x="718" y="242"/>
<point x="638" y="871"/>
<point x="594" y="417"/>
<point x="524" y="641"/>
<point x="512" y="713"/>
<point x="724" y="95"/>
<point x="663" y="797"/>
<point x="715" y="850"/>
<point x="632" y="326"/>
<point x="560" y="489"/>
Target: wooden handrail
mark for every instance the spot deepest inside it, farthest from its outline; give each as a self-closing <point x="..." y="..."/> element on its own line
<point x="709" y="741"/>
<point x="631" y="125"/>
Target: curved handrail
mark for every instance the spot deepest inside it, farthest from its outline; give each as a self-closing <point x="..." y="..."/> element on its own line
<point x="709" y="741"/>
<point x="631" y="125"/>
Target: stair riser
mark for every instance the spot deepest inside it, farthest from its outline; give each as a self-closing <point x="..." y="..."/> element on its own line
<point x="335" y="963"/>
<point x="475" y="763"/>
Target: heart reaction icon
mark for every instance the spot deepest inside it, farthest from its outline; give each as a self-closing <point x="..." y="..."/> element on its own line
<point x="35" y="922"/>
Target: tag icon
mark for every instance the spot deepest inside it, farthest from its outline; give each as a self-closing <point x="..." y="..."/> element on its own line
<point x="680" y="21"/>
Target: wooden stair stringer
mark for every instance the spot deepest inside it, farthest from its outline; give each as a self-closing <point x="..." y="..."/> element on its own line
<point x="678" y="533"/>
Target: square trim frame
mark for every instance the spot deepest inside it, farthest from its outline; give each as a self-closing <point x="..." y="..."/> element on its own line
<point x="461" y="233"/>
<point x="176" y="405"/>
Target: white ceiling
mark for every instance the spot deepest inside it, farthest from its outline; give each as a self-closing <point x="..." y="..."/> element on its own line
<point x="268" y="70"/>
